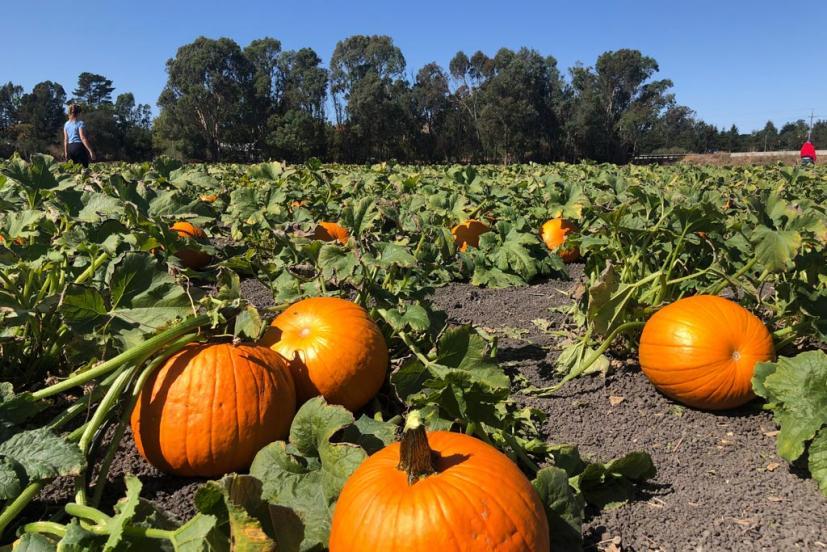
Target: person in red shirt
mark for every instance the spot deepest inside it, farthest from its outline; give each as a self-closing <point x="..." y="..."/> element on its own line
<point x="808" y="153"/>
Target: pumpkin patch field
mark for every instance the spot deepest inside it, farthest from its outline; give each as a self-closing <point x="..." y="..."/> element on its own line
<point x="480" y="358"/>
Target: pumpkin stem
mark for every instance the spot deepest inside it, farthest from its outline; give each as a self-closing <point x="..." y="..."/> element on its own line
<point x="415" y="455"/>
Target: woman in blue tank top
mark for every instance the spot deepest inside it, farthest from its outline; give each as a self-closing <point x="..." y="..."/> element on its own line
<point x="75" y="142"/>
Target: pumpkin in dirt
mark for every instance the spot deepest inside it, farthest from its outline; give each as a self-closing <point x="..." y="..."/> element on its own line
<point x="333" y="348"/>
<point x="702" y="350"/>
<point x="467" y="234"/>
<point x="438" y="491"/>
<point x="331" y="231"/>
<point x="554" y="233"/>
<point x="191" y="258"/>
<point x="210" y="408"/>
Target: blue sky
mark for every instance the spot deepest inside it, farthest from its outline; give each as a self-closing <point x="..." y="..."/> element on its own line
<point x="733" y="61"/>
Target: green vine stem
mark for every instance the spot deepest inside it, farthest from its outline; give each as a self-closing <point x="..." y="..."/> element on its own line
<point x="48" y="527"/>
<point x="16" y="506"/>
<point x="146" y="349"/>
<point x="120" y="429"/>
<point x="584" y="365"/>
<point x="109" y="400"/>
<point x="92" y="268"/>
<point x="718" y="287"/>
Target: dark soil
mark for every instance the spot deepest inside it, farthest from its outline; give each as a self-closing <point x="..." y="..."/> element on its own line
<point x="720" y="484"/>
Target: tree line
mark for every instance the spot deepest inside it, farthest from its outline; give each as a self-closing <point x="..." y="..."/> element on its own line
<point x="222" y="102"/>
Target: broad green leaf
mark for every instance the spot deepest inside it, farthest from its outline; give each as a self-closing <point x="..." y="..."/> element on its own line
<point x="776" y="248"/>
<point x="248" y="522"/>
<point x="193" y="536"/>
<point x="35" y="542"/>
<point x="817" y="461"/>
<point x="43" y="455"/>
<point x="336" y="261"/>
<point x="124" y="512"/>
<point x="796" y="391"/>
<point x="83" y="304"/>
<point x="307" y="474"/>
<point x="393" y="254"/>
<point x="99" y="206"/>
<point x="564" y="508"/>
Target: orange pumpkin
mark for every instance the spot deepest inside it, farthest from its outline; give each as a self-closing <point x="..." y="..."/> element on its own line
<point x="210" y="408"/>
<point x="554" y="234"/>
<point x="209" y="198"/>
<point x="333" y="348"/>
<point x="330" y="231"/>
<point x="467" y="233"/>
<point x="438" y="491"/>
<point x="702" y="351"/>
<point x="191" y="258"/>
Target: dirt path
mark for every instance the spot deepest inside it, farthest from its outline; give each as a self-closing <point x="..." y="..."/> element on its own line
<point x="720" y="484"/>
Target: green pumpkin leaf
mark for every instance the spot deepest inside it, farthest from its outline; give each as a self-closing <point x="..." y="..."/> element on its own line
<point x="307" y="473"/>
<point x="564" y="508"/>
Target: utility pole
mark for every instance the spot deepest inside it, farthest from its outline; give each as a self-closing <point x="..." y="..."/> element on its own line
<point x="810" y="130"/>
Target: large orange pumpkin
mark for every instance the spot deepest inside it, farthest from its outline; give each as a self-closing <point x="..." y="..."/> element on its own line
<point x="439" y="491"/>
<point x="331" y="231"/>
<point x="210" y="408"/>
<point x="467" y="233"/>
<point x="333" y="348"/>
<point x="191" y="258"/>
<point x="702" y="350"/>
<point x="554" y="234"/>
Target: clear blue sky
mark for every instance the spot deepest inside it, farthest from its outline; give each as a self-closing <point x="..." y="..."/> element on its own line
<point x="733" y="61"/>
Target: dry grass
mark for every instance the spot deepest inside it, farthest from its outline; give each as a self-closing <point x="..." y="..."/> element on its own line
<point x="725" y="159"/>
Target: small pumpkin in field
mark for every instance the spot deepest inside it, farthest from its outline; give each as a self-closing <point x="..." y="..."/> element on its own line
<point x="554" y="233"/>
<point x="333" y="348"/>
<point x="438" y="491"/>
<point x="191" y="258"/>
<point x="702" y="350"/>
<point x="331" y="231"/>
<point x="211" y="407"/>
<point x="209" y="198"/>
<point x="467" y="233"/>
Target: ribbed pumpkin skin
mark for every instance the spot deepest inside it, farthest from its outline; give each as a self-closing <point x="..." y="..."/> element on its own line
<point x="702" y="350"/>
<point x="478" y="501"/>
<point x="191" y="258"/>
<point x="554" y="234"/>
<point x="331" y="231"/>
<point x="333" y="348"/>
<point x="210" y="408"/>
<point x="467" y="234"/>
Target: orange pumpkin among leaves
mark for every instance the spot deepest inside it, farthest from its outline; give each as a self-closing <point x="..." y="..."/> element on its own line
<point x="702" y="351"/>
<point x="467" y="233"/>
<point x="191" y="258"/>
<point x="438" y="491"/>
<point x="331" y="231"/>
<point x="554" y="233"/>
<point x="210" y="408"/>
<point x="333" y="348"/>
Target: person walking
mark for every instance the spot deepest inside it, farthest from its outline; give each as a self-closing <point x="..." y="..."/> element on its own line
<point x="808" y="153"/>
<point x="75" y="141"/>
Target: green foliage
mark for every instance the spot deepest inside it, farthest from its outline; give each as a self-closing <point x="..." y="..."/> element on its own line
<point x="307" y="473"/>
<point x="796" y="392"/>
